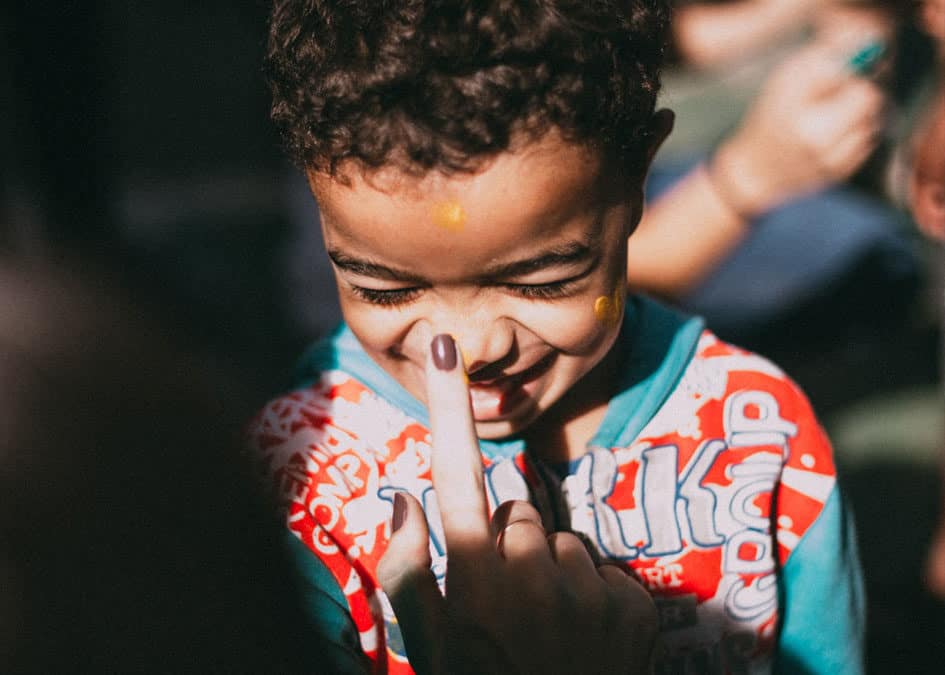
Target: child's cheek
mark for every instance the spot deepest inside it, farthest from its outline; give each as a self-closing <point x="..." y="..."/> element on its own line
<point x="583" y="328"/>
<point x="378" y="329"/>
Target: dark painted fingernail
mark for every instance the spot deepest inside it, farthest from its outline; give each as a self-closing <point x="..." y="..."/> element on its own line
<point x="444" y="351"/>
<point x="400" y="512"/>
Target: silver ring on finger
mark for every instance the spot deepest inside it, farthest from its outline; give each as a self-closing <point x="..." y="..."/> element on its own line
<point x="518" y="521"/>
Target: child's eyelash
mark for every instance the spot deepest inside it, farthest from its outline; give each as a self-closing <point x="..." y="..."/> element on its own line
<point x="387" y="297"/>
<point x="554" y="289"/>
<point x="402" y="296"/>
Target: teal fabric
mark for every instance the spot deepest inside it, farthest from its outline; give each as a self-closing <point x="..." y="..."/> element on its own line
<point x="325" y="602"/>
<point x="662" y="345"/>
<point x="342" y="351"/>
<point x="822" y="599"/>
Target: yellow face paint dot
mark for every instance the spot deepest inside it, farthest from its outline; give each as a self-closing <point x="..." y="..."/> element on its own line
<point x="607" y="308"/>
<point x="449" y="216"/>
<point x="603" y="309"/>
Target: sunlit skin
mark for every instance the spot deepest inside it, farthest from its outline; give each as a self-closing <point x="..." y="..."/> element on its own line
<point x="544" y="236"/>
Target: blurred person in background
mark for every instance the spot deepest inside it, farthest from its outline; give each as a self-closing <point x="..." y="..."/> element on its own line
<point x="780" y="107"/>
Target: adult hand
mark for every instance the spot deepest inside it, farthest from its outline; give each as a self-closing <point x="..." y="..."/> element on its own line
<point x="814" y="123"/>
<point x="517" y="600"/>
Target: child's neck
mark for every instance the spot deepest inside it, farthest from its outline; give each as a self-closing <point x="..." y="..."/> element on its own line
<point x="563" y="432"/>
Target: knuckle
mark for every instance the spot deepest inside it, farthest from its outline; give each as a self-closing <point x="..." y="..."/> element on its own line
<point x="393" y="574"/>
<point x="523" y="508"/>
<point x="565" y="542"/>
<point x="513" y="510"/>
<point x="389" y="570"/>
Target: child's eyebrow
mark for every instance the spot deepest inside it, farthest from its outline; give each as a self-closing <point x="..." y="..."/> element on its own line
<point x="366" y="268"/>
<point x="562" y="255"/>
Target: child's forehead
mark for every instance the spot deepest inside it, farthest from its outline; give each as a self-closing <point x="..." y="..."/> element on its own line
<point x="549" y="194"/>
<point x="542" y="169"/>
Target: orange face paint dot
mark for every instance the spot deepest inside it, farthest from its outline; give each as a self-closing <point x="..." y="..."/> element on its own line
<point x="449" y="216"/>
<point x="603" y="308"/>
<point x="607" y="308"/>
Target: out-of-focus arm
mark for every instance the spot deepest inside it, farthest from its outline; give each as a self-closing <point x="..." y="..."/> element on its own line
<point x="709" y="35"/>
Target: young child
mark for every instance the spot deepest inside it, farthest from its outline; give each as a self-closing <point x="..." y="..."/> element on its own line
<point x="479" y="168"/>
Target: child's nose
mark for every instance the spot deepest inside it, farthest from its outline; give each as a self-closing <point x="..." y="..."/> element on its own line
<point x="484" y="346"/>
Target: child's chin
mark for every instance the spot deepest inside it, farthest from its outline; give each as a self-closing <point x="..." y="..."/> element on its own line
<point x="494" y="430"/>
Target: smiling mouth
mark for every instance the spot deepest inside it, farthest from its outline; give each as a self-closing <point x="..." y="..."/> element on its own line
<point x="498" y="398"/>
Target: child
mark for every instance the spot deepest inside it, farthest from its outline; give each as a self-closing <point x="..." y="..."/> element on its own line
<point x="479" y="167"/>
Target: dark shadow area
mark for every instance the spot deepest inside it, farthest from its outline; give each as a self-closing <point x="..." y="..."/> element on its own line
<point x="133" y="535"/>
<point x="895" y="507"/>
<point x="137" y="136"/>
<point x="144" y="318"/>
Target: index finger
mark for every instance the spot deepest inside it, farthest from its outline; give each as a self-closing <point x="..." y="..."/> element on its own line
<point x="456" y="464"/>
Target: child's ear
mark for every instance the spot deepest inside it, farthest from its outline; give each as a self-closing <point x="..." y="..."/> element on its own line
<point x="660" y="127"/>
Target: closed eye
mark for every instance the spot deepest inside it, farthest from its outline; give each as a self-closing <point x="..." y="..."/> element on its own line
<point x="554" y="289"/>
<point x="393" y="297"/>
<point x="386" y="297"/>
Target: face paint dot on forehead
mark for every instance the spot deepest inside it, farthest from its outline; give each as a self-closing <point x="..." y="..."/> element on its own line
<point x="449" y="215"/>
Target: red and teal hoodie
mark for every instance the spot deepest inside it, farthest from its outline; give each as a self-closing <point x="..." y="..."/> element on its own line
<point x="709" y="476"/>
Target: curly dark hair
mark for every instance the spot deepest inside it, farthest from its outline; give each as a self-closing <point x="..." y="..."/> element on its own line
<point x="445" y="84"/>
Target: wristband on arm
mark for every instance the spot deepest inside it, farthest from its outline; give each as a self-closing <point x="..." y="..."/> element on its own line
<point x="726" y="188"/>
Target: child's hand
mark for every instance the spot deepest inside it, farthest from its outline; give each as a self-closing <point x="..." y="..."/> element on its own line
<point x="517" y="600"/>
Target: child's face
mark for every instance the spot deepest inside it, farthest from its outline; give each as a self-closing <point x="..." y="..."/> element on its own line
<point x="524" y="263"/>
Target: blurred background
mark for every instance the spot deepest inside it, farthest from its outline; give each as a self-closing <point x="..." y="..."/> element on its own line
<point x="138" y="133"/>
<point x="136" y="144"/>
